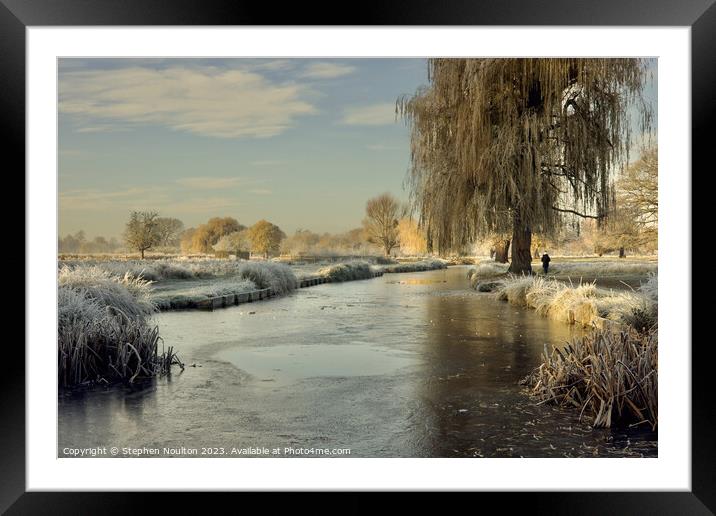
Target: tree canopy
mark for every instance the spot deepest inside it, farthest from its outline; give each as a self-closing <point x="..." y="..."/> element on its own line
<point x="515" y="145"/>
<point x="141" y="232"/>
<point x="265" y="238"/>
<point x="207" y="235"/>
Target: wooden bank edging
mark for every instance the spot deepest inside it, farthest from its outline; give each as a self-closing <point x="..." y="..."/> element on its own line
<point x="228" y="300"/>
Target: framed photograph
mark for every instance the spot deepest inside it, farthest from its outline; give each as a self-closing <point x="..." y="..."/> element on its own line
<point x="414" y="250"/>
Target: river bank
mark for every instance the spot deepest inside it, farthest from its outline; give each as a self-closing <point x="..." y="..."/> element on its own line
<point x="214" y="293"/>
<point x="413" y="366"/>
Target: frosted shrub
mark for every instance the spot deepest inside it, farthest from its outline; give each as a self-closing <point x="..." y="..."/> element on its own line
<point x="423" y="265"/>
<point x="347" y="271"/>
<point x="277" y="276"/>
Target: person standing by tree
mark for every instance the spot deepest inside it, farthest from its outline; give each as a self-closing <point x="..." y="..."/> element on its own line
<point x="519" y="145"/>
<point x="545" y="262"/>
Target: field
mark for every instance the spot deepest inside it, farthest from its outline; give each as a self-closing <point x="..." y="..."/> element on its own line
<point x="608" y="272"/>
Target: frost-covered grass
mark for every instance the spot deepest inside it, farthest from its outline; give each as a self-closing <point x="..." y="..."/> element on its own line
<point x="362" y="269"/>
<point x="584" y="304"/>
<point x="104" y="333"/>
<point x="597" y="269"/>
<point x="610" y="376"/>
<point x="650" y="287"/>
<point x="565" y="267"/>
<point x="349" y="271"/>
<point x="486" y="269"/>
<point x="126" y="294"/>
<point x="222" y="287"/>
<point x="461" y="260"/>
<point x="152" y="270"/>
<point x="179" y="296"/>
<point x="168" y="284"/>
<point x="422" y="265"/>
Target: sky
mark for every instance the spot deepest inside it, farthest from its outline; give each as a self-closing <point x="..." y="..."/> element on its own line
<point x="303" y="143"/>
<point x="300" y="142"/>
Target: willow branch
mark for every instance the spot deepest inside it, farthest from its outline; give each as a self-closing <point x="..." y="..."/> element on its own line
<point x="583" y="215"/>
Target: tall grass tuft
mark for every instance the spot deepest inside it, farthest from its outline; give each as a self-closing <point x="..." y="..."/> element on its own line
<point x="585" y="304"/>
<point x="609" y="376"/>
<point x="104" y="335"/>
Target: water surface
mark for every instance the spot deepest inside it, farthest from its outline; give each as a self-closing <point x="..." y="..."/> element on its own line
<point x="405" y="365"/>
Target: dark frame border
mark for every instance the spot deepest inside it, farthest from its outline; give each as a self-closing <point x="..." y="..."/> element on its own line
<point x="700" y="15"/>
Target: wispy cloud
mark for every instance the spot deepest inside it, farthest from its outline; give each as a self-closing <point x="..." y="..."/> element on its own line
<point x="260" y="191"/>
<point x="142" y="198"/>
<point x="101" y="129"/>
<point x="326" y="70"/>
<point x="209" y="183"/>
<point x="273" y="64"/>
<point x="267" y="162"/>
<point x="373" y="114"/>
<point x="210" y="206"/>
<point x="209" y="101"/>
<point x="135" y="198"/>
<point x="382" y="147"/>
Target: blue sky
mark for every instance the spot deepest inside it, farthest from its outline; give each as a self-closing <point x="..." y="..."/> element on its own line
<point x="300" y="142"/>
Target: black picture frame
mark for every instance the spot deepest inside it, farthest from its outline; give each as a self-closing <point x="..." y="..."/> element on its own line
<point x="700" y="15"/>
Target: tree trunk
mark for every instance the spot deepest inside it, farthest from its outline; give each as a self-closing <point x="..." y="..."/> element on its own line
<point x="502" y="251"/>
<point x="521" y="247"/>
<point x="142" y="251"/>
<point x="622" y="254"/>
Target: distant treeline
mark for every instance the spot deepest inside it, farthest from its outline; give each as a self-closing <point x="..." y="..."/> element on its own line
<point x="79" y="244"/>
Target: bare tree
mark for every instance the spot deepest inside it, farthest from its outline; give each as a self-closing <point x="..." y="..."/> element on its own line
<point x="169" y="230"/>
<point x="141" y="231"/>
<point x="638" y="191"/>
<point x="381" y="221"/>
<point x="519" y="145"/>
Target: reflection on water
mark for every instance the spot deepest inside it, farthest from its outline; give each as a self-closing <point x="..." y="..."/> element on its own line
<point x="288" y="363"/>
<point x="409" y="364"/>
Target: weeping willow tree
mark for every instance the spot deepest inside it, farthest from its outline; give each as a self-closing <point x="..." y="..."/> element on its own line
<point x="518" y="145"/>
